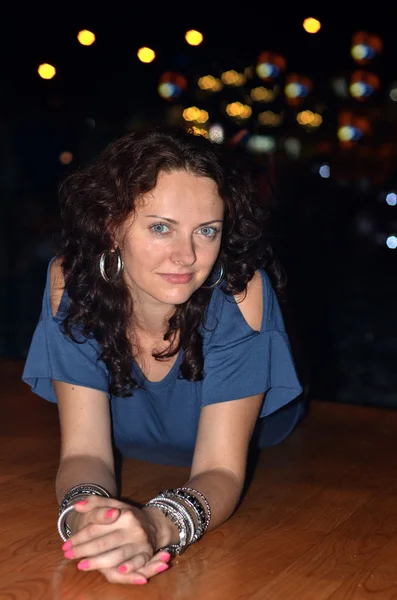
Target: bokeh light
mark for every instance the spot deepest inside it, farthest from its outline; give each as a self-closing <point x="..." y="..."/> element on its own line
<point x="146" y="55"/>
<point x="194" y="37"/>
<point x="46" y="71"/>
<point x="270" y="65"/>
<point x="171" y="85"/>
<point x="311" y="25"/>
<point x="363" y="84"/>
<point x="85" y="37"/>
<point x="365" y="47"/>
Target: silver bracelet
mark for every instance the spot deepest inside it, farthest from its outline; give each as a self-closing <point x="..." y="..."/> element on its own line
<point x="63" y="529"/>
<point x="184" y="512"/>
<point x="82" y="489"/>
<point x="175" y="516"/>
<point x="196" y="506"/>
<point x="67" y="504"/>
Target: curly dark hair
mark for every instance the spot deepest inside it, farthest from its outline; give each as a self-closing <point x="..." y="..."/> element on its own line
<point x="96" y="199"/>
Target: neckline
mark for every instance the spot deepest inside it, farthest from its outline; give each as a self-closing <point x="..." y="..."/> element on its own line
<point x="166" y="379"/>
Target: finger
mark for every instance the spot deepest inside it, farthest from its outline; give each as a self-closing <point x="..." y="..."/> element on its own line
<point x="114" y="577"/>
<point x="114" y="557"/>
<point x="93" y="501"/>
<point x="97" y="516"/>
<point x="95" y="539"/>
<point x="157" y="564"/>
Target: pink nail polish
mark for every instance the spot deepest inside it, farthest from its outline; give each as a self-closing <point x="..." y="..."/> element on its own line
<point x="81" y="502"/>
<point x="165" y="557"/>
<point x="69" y="554"/>
<point x="83" y="565"/>
<point x="67" y="545"/>
<point x="140" y="581"/>
<point x="161" y="568"/>
<point x="122" y="569"/>
<point x="110" y="513"/>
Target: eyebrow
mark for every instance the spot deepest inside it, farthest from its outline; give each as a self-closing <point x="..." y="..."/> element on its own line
<point x="176" y="222"/>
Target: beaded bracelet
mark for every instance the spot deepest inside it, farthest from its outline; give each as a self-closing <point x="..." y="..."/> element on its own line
<point x="175" y="516"/>
<point x="194" y="504"/>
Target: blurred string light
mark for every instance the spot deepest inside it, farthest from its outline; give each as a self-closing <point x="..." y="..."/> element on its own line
<point x="199" y="131"/>
<point x="351" y="128"/>
<point x="85" y="37"/>
<point x="270" y="65"/>
<point x="309" y="119"/>
<point x="293" y="147"/>
<point x="233" y="78"/>
<point x="194" y="37"/>
<point x="262" y="94"/>
<point x="311" y="25"/>
<point x="296" y="89"/>
<point x="171" y="85"/>
<point x="66" y="158"/>
<point x="391" y="199"/>
<point x="216" y="133"/>
<point x="268" y="118"/>
<point x="365" y="47"/>
<point x="210" y="83"/>
<point x="260" y="144"/>
<point x="391" y="242"/>
<point x="363" y="85"/>
<point x="146" y="55"/>
<point x="239" y="110"/>
<point x="340" y="87"/>
<point x="193" y="113"/>
<point x="324" y="171"/>
<point x="393" y="91"/>
<point x="46" y="71"/>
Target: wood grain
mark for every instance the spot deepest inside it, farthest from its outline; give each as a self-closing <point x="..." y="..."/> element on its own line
<point x="318" y="521"/>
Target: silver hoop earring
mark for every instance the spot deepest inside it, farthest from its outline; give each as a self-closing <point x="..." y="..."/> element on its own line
<point x="218" y="281"/>
<point x="120" y="267"/>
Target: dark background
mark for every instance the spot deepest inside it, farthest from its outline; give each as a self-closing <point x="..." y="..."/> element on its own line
<point x="330" y="233"/>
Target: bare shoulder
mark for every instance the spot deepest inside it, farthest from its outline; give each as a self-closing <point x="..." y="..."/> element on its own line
<point x="251" y="302"/>
<point x="57" y="283"/>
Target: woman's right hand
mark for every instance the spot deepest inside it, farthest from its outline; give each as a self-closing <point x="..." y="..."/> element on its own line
<point x="77" y="521"/>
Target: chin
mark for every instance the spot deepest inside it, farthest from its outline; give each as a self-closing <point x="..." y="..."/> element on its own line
<point x="176" y="296"/>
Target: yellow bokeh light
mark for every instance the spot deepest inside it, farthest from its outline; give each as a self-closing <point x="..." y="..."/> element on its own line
<point x="193" y="37"/>
<point x="211" y="83"/>
<point x="199" y="131"/>
<point x="46" y="71"/>
<point x="192" y="113"/>
<point x="239" y="110"/>
<point x="85" y="37"/>
<point x="146" y="55"/>
<point x="311" y="25"/>
<point x="233" y="78"/>
<point x="261" y="94"/>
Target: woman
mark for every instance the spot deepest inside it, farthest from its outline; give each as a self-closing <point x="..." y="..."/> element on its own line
<point x="160" y="337"/>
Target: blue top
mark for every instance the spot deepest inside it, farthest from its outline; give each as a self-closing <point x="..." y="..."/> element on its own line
<point x="158" y="423"/>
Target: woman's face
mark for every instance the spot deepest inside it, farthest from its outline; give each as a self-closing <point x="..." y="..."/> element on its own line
<point x="172" y="242"/>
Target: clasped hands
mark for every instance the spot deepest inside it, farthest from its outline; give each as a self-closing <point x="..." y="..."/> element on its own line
<point x="116" y="539"/>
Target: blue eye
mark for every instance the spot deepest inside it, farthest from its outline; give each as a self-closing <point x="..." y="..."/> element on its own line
<point x="209" y="231"/>
<point x="159" y="228"/>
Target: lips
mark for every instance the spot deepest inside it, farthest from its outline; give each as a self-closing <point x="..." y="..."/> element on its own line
<point x="174" y="278"/>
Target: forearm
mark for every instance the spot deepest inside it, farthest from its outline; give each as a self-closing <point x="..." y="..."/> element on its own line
<point x="83" y="469"/>
<point x="222" y="490"/>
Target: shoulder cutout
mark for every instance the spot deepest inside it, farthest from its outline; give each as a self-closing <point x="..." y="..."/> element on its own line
<point x="250" y="302"/>
<point x="57" y="284"/>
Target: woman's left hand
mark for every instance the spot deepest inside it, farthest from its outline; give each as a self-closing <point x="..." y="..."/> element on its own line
<point x="121" y="545"/>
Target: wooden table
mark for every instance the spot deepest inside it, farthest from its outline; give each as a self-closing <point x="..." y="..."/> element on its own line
<point x="319" y="520"/>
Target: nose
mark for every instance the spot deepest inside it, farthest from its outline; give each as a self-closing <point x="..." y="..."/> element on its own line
<point x="183" y="251"/>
